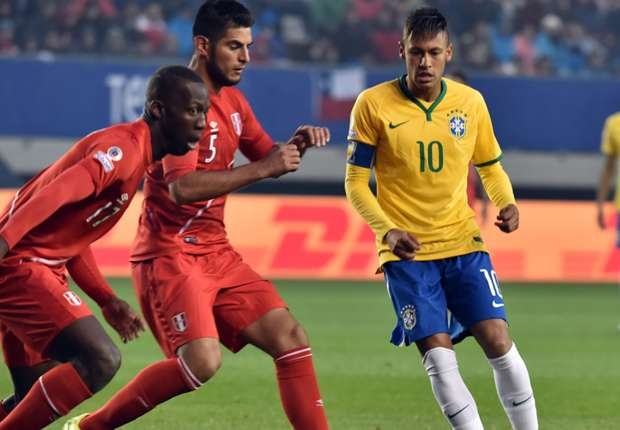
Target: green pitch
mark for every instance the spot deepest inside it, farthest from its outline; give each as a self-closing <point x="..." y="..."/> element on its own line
<point x="566" y="333"/>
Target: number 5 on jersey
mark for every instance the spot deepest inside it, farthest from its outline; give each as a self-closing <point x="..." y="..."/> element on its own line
<point x="212" y="149"/>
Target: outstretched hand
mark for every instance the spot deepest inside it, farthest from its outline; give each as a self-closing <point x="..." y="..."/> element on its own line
<point x="508" y="219"/>
<point x="123" y="319"/>
<point x="310" y="136"/>
<point x="403" y="244"/>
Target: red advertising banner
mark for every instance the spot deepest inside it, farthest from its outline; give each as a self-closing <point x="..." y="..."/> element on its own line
<point x="324" y="238"/>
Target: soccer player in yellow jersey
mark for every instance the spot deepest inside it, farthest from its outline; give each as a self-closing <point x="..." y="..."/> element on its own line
<point x="419" y="134"/>
<point x="610" y="147"/>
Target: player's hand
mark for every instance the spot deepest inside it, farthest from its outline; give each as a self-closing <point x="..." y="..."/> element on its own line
<point x="122" y="319"/>
<point x="4" y="247"/>
<point x="600" y="218"/>
<point x="403" y="244"/>
<point x="311" y="136"/>
<point x="508" y="219"/>
<point x="282" y="159"/>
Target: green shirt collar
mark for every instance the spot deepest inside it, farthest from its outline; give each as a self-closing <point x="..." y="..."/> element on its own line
<point x="402" y="83"/>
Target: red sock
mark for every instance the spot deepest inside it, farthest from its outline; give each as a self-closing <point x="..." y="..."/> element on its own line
<point x="153" y="385"/>
<point x="53" y="395"/>
<point x="299" y="390"/>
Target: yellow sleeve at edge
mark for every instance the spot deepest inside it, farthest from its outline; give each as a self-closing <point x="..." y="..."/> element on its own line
<point x="363" y="200"/>
<point x="497" y="185"/>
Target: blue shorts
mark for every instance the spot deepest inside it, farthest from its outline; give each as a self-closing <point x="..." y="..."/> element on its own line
<point x="425" y="293"/>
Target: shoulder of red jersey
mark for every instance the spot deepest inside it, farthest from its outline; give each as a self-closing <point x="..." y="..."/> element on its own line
<point x="122" y="142"/>
<point x="235" y="97"/>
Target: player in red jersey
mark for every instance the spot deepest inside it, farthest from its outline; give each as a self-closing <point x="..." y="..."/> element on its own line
<point x="193" y="287"/>
<point x="51" y="222"/>
<point x="27" y="365"/>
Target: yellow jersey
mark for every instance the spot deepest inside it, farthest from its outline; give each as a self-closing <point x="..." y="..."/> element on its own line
<point x="421" y="158"/>
<point x="610" y="145"/>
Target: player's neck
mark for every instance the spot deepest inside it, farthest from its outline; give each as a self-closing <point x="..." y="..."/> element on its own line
<point x="428" y="95"/>
<point x="157" y="139"/>
<point x="196" y="65"/>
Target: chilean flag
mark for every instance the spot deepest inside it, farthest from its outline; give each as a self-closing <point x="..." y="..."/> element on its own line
<point x="338" y="89"/>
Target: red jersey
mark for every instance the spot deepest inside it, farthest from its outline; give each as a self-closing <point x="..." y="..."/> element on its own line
<point x="77" y="199"/>
<point x="197" y="228"/>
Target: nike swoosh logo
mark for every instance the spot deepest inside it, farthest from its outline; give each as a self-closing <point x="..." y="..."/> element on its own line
<point x="457" y="412"/>
<point x="521" y="402"/>
<point x="496" y="305"/>
<point x="397" y="125"/>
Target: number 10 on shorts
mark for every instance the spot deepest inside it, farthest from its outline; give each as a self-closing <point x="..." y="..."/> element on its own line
<point x="493" y="284"/>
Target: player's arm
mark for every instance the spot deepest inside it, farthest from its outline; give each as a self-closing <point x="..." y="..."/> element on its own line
<point x="359" y="194"/>
<point x="200" y="185"/>
<point x="121" y="317"/>
<point x="74" y="184"/>
<point x="486" y="158"/>
<point x="604" y="186"/>
<point x="609" y="147"/>
<point x="499" y="189"/>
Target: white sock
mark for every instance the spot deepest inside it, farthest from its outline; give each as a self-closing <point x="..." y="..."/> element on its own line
<point x="455" y="400"/>
<point x="515" y="390"/>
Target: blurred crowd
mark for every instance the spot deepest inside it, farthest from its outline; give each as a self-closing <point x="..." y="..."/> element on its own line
<point x="510" y="37"/>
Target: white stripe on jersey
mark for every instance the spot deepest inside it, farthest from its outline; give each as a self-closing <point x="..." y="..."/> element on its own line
<point x="198" y="215"/>
<point x="47" y="261"/>
<point x="13" y="203"/>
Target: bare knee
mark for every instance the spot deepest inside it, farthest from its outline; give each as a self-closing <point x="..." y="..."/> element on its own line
<point x="298" y="336"/>
<point x="203" y="357"/>
<point x="288" y="337"/>
<point x="87" y="346"/>
<point x="276" y="333"/>
<point x="493" y="337"/>
<point x="98" y="364"/>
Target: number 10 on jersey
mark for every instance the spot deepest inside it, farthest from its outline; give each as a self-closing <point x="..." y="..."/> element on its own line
<point x="431" y="156"/>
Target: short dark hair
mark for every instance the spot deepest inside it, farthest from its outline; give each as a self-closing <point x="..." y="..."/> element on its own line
<point x="167" y="79"/>
<point x="215" y="16"/>
<point x="425" y="22"/>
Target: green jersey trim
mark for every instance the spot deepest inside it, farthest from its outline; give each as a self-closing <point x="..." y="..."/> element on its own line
<point x="488" y="163"/>
<point x="402" y="83"/>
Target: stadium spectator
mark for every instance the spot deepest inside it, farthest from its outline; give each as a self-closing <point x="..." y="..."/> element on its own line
<point x="54" y="218"/>
<point x="429" y="245"/>
<point x="567" y="38"/>
<point x="193" y="287"/>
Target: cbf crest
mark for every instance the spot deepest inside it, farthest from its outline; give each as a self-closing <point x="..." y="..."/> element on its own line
<point x="408" y="315"/>
<point x="457" y="121"/>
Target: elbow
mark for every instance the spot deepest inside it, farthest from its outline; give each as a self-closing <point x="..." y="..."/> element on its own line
<point x="352" y="189"/>
<point x="178" y="194"/>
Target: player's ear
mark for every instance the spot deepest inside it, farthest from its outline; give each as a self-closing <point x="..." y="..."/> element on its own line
<point x="201" y="45"/>
<point x="449" y="51"/>
<point x="401" y="50"/>
<point x="155" y="109"/>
